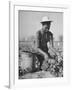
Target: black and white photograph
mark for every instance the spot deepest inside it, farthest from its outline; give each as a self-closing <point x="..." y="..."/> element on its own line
<point x="40" y="44"/>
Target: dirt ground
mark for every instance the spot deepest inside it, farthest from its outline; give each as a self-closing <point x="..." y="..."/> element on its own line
<point x="40" y="74"/>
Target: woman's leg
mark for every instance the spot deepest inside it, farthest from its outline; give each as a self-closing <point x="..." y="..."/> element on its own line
<point x="41" y="59"/>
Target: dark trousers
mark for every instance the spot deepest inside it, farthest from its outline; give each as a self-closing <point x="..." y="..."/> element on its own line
<point x="41" y="59"/>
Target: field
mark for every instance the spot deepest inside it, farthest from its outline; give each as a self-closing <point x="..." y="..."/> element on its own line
<point x="29" y="65"/>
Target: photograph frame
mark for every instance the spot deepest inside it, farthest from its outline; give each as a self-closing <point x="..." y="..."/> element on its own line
<point x="13" y="34"/>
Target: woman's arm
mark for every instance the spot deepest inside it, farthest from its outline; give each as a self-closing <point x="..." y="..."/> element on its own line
<point x="41" y="52"/>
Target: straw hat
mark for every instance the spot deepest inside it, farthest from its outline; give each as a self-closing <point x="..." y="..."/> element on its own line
<point x="45" y="19"/>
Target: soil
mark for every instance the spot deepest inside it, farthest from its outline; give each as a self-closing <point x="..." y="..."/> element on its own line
<point x="39" y="74"/>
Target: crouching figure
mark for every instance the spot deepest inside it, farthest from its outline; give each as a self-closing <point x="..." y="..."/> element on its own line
<point x="45" y="42"/>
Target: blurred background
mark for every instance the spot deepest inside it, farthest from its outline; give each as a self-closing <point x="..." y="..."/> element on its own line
<point x="29" y="23"/>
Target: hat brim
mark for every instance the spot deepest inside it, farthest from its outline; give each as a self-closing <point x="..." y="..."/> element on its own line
<point x="46" y="21"/>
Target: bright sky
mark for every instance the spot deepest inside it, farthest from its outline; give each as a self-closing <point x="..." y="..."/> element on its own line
<point x="29" y="23"/>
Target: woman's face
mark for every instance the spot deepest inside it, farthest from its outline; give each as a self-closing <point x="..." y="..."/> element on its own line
<point x="46" y="25"/>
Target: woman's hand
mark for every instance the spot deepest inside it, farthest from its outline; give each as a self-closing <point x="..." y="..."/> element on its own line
<point x="46" y="57"/>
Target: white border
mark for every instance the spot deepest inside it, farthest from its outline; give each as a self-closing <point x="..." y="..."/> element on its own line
<point x="14" y="82"/>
